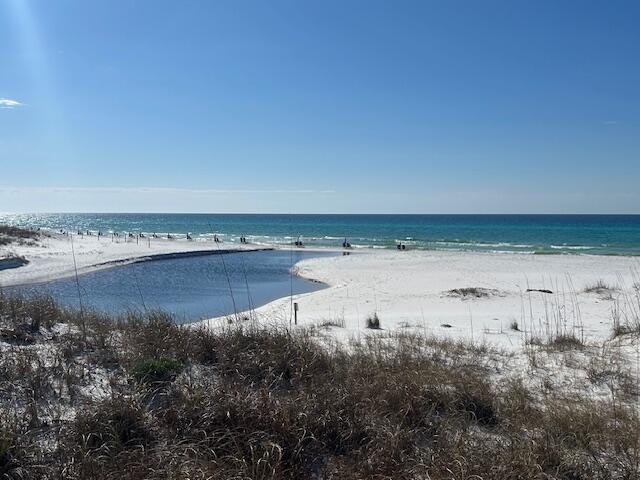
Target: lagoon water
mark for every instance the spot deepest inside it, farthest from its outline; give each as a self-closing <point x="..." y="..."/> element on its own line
<point x="542" y="234"/>
<point x="190" y="288"/>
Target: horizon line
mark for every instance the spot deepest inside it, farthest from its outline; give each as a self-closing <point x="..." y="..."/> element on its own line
<point x="316" y="213"/>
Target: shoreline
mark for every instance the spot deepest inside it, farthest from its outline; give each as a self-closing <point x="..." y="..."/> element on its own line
<point x="51" y="257"/>
<point x="408" y="290"/>
<point x="158" y="257"/>
<point x="520" y="298"/>
<point x="59" y="245"/>
<point x="614" y="235"/>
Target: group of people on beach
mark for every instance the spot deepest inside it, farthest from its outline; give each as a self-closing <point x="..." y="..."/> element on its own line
<point x="132" y="235"/>
<point x="298" y="243"/>
<point x="80" y="233"/>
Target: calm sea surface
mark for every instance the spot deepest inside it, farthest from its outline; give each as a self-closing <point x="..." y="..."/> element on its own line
<point x="547" y="234"/>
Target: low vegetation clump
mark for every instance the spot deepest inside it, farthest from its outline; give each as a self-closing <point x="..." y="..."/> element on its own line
<point x="472" y="292"/>
<point x="559" y="342"/>
<point x="140" y="397"/>
<point x="10" y="234"/>
<point x="620" y="329"/>
<point x="7" y="445"/>
<point x="566" y="342"/>
<point x="626" y="313"/>
<point x="373" y="322"/>
<point x="153" y="371"/>
<point x="337" y="323"/>
<point x="601" y="288"/>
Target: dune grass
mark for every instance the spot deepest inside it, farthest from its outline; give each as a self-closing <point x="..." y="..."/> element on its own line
<point x="137" y="397"/>
<point x="10" y="234"/>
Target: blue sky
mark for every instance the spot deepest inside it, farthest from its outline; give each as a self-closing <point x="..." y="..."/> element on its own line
<point x="323" y="106"/>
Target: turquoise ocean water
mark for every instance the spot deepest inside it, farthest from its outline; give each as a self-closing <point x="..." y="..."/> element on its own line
<point x="540" y="234"/>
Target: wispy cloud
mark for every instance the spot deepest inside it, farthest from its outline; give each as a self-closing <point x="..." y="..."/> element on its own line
<point x="157" y="190"/>
<point x="611" y="122"/>
<point x="7" y="103"/>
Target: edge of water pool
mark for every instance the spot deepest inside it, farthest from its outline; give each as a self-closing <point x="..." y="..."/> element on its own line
<point x="156" y="257"/>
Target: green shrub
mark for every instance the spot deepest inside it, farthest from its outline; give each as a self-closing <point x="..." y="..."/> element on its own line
<point x="156" y="370"/>
<point x="6" y="456"/>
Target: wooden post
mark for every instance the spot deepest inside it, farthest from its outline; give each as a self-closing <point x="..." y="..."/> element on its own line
<point x="295" y="313"/>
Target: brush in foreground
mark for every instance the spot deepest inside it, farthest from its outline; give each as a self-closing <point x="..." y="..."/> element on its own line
<point x="137" y="397"/>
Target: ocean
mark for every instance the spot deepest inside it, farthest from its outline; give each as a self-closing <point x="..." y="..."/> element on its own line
<point x="533" y="234"/>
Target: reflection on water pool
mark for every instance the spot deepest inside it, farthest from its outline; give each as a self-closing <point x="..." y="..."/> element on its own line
<point x="190" y="288"/>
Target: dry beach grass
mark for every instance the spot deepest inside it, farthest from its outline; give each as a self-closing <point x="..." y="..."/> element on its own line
<point x="10" y="234"/>
<point x="84" y="395"/>
<point x="87" y="395"/>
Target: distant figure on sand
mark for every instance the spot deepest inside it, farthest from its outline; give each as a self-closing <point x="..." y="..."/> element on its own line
<point x="189" y="237"/>
<point x="346" y="244"/>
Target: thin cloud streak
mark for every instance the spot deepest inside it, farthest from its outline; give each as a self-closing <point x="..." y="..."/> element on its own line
<point x="155" y="190"/>
<point x="7" y="103"/>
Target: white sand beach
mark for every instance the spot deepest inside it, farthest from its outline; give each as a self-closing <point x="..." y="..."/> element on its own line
<point x="409" y="290"/>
